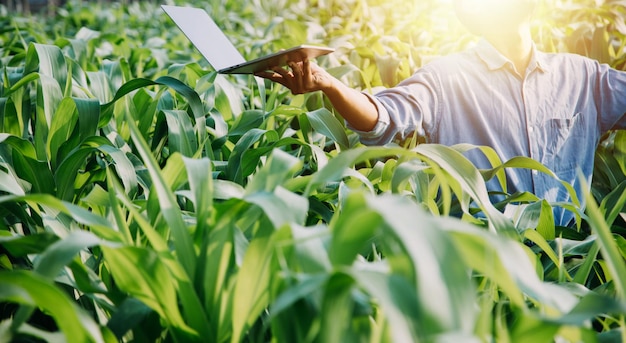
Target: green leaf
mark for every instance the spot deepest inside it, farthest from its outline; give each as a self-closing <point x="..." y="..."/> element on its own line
<point x="88" y="117"/>
<point x="310" y="248"/>
<point x="47" y="60"/>
<point x="538" y="215"/>
<point x="48" y="98"/>
<point x="99" y="225"/>
<point x="338" y="167"/>
<point x="35" y="172"/>
<point x="23" y="146"/>
<point x="225" y="190"/>
<point x="337" y="308"/>
<point x="281" y="206"/>
<point x="591" y="306"/>
<point x="608" y="247"/>
<point x="247" y="121"/>
<point x="529" y="327"/>
<point x="61" y="127"/>
<point x="614" y="203"/>
<point x="436" y="266"/>
<point x="11" y="122"/>
<point x="327" y="124"/>
<point x="505" y="262"/>
<point x="62" y="252"/>
<point x="181" y="137"/>
<point x="100" y="86"/>
<point x="9" y="184"/>
<point x="168" y="205"/>
<point x="529" y="163"/>
<point x="116" y="194"/>
<point x="128" y="314"/>
<point x="65" y="175"/>
<point x="141" y="273"/>
<point x="192" y="97"/>
<point x="277" y="170"/>
<point x="462" y="170"/>
<point x="491" y="156"/>
<point x="217" y="276"/>
<point x="228" y="100"/>
<point x="234" y="170"/>
<point x="20" y="246"/>
<point x="352" y="230"/>
<point x="302" y="289"/>
<point x="398" y="300"/>
<point x="252" y="286"/>
<point x="200" y="181"/>
<point x="583" y="273"/>
<point x="403" y="172"/>
<point x="535" y="237"/>
<point x="30" y="289"/>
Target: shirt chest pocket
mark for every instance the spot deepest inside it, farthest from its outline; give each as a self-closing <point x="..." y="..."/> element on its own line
<point x="562" y="138"/>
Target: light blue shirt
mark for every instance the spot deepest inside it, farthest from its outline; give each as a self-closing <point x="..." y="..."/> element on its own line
<point x="554" y="114"/>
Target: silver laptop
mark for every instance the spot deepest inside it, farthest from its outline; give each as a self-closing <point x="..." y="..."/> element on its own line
<point x="213" y="44"/>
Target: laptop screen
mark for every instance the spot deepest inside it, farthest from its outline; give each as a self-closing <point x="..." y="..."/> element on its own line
<point x="205" y="35"/>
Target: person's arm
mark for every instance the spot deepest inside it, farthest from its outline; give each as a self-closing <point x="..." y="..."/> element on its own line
<point x="304" y="77"/>
<point x="610" y="93"/>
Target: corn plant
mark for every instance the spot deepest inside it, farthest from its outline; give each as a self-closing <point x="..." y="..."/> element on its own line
<point x="145" y="197"/>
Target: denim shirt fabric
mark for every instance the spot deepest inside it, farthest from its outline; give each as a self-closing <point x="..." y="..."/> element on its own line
<point x="554" y="114"/>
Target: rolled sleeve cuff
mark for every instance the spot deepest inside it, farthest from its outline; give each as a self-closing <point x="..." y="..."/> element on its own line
<point x="375" y="135"/>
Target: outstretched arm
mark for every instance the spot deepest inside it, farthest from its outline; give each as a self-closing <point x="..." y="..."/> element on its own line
<point x="305" y="77"/>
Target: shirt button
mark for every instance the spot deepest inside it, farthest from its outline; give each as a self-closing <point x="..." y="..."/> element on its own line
<point x="531" y="129"/>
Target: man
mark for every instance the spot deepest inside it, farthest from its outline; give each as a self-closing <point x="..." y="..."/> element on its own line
<point x="503" y="93"/>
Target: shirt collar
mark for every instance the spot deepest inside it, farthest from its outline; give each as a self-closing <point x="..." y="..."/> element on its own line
<point x="495" y="60"/>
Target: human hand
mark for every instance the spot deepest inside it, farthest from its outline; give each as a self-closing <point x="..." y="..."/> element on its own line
<point x="303" y="77"/>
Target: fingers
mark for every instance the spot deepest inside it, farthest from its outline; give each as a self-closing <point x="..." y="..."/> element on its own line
<point x="286" y="78"/>
<point x="283" y="72"/>
<point x="308" y="76"/>
<point x="275" y="77"/>
<point x="267" y="75"/>
<point x="299" y="79"/>
<point x="306" y="72"/>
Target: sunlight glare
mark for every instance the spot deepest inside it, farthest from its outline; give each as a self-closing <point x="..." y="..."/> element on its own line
<point x="476" y="6"/>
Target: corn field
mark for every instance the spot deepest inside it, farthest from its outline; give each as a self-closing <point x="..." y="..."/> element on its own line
<point x="146" y="198"/>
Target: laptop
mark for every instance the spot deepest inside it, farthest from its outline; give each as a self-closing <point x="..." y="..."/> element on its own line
<point x="213" y="44"/>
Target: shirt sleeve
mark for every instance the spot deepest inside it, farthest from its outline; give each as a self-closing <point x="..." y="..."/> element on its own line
<point x="610" y="92"/>
<point x="404" y="109"/>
